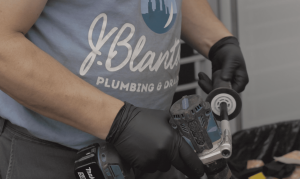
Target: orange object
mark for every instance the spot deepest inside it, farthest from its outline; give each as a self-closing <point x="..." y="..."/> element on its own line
<point x="254" y="164"/>
<point x="290" y="158"/>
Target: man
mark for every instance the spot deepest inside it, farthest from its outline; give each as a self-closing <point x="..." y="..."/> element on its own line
<point x="67" y="66"/>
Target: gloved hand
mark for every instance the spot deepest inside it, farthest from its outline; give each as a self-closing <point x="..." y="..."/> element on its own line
<point x="145" y="139"/>
<point x="227" y="56"/>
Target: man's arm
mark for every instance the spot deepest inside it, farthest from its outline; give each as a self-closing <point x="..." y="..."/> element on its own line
<point x="143" y="137"/>
<point x="200" y="27"/>
<point x="203" y="31"/>
<point x="40" y="83"/>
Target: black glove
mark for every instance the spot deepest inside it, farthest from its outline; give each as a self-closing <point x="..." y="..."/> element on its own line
<point x="227" y="56"/>
<point x="145" y="139"/>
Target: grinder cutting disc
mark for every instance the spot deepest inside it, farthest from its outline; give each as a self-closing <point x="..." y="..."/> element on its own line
<point x="227" y="95"/>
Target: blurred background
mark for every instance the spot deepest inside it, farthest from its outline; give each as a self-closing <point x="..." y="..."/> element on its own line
<point x="269" y="35"/>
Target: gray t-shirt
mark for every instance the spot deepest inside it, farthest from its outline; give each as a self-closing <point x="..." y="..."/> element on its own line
<point x="127" y="49"/>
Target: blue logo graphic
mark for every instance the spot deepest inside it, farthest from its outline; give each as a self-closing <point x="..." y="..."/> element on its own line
<point x="159" y="15"/>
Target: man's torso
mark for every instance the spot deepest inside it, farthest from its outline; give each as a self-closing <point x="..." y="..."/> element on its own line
<point x="127" y="49"/>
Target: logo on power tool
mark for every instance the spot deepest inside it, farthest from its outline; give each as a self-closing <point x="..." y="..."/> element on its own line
<point x="81" y="175"/>
<point x="89" y="172"/>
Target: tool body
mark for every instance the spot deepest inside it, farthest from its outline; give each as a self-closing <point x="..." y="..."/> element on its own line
<point x="193" y="116"/>
<point x="192" y="123"/>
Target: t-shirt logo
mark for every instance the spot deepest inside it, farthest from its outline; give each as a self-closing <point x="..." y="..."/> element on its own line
<point x="159" y="15"/>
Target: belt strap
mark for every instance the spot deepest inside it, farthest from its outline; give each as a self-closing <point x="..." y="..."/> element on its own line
<point x="2" y="125"/>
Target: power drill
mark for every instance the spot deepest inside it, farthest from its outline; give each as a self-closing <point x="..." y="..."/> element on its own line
<point x="101" y="161"/>
<point x="195" y="120"/>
